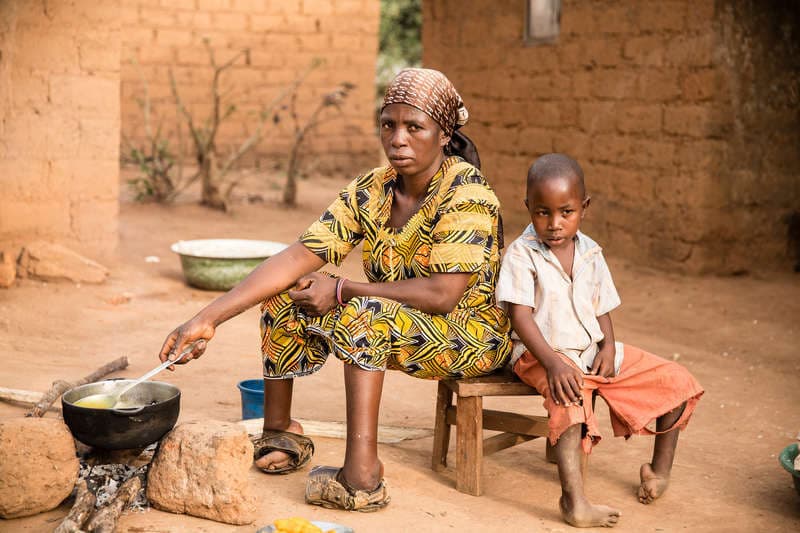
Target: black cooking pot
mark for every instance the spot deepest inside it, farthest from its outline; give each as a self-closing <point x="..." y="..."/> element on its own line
<point x="157" y="407"/>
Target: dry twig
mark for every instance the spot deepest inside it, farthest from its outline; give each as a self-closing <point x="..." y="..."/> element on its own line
<point x="61" y="386"/>
<point x="332" y="99"/>
<point x="212" y="170"/>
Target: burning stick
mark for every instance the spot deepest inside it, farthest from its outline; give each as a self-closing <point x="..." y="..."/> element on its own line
<point x="60" y="386"/>
<point x="105" y="520"/>
<point x="81" y="509"/>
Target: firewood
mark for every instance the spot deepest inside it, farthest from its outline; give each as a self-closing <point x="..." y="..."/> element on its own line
<point x="24" y="398"/>
<point x="105" y="520"/>
<point x="81" y="509"/>
<point x="61" y="386"/>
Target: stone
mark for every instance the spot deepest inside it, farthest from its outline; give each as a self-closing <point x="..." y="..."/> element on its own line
<point x="53" y="262"/>
<point x="38" y="465"/>
<point x="201" y="469"/>
<point x="8" y="268"/>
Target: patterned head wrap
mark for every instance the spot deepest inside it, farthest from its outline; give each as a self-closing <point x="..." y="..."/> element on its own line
<point x="430" y="91"/>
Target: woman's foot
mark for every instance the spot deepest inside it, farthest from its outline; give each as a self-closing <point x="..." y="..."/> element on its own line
<point x="326" y="487"/>
<point x="362" y="477"/>
<point x="275" y="460"/>
<point x="653" y="485"/>
<point x="581" y="513"/>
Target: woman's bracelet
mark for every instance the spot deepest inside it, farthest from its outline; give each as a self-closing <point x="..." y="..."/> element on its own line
<point x="339" y="285"/>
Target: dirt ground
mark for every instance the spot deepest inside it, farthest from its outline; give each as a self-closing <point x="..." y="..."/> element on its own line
<point x="738" y="335"/>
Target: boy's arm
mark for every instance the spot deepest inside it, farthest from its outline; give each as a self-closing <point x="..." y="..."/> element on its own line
<point x="564" y="380"/>
<point x="604" y="360"/>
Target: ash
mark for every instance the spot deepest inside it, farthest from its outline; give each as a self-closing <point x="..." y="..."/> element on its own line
<point x="103" y="480"/>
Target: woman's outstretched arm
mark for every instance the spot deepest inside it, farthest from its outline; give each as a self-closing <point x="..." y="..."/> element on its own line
<point x="274" y="275"/>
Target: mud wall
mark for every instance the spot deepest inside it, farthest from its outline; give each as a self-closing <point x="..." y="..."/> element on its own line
<point x="758" y="52"/>
<point x="640" y="93"/>
<point x="59" y="123"/>
<point x="282" y="37"/>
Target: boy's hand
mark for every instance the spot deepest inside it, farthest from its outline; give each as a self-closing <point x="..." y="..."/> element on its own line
<point x="565" y="382"/>
<point x="603" y="365"/>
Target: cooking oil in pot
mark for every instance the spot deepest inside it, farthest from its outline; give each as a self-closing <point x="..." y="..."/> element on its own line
<point x="109" y="401"/>
<point x="97" y="401"/>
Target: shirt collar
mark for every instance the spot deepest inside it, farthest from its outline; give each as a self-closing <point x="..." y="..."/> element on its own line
<point x="583" y="244"/>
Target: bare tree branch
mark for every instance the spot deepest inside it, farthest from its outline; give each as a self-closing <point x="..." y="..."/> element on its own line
<point x="266" y="114"/>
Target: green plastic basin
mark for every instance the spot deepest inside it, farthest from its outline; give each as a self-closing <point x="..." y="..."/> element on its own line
<point x="787" y="461"/>
<point x="219" y="264"/>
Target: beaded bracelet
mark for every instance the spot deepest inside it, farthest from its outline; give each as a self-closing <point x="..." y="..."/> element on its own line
<point x="339" y="285"/>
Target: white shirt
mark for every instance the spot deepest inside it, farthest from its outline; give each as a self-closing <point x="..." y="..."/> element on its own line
<point x="565" y="309"/>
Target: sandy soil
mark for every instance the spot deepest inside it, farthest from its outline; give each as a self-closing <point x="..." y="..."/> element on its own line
<point x="737" y="335"/>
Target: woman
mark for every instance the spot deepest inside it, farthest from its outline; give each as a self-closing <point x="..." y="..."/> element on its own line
<point x="429" y="223"/>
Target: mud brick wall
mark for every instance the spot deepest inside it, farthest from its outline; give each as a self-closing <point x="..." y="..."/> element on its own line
<point x="758" y="55"/>
<point x="690" y="166"/>
<point x="59" y="123"/>
<point x="283" y="37"/>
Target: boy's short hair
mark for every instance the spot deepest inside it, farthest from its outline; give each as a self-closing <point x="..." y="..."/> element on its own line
<point x="551" y="166"/>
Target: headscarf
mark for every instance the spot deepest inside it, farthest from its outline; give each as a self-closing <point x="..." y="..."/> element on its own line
<point x="430" y="91"/>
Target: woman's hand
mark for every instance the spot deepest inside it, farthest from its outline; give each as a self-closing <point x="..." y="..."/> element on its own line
<point x="197" y="331"/>
<point x="565" y="382"/>
<point x="315" y="294"/>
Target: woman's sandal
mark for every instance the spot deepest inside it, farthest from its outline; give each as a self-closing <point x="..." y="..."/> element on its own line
<point x="298" y="447"/>
<point x="327" y="487"/>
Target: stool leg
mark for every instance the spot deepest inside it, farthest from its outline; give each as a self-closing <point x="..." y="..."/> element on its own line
<point x="441" y="429"/>
<point x="469" y="444"/>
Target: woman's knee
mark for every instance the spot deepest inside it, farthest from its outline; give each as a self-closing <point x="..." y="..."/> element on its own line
<point x="275" y="308"/>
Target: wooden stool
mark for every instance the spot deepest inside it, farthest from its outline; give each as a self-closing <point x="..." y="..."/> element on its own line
<point x="470" y="419"/>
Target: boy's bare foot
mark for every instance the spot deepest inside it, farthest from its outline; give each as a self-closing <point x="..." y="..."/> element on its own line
<point x="277" y="459"/>
<point x="653" y="485"/>
<point x="583" y="514"/>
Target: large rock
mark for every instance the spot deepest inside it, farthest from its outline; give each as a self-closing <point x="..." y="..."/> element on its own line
<point x="8" y="268"/>
<point x="53" y="262"/>
<point x="38" y="465"/>
<point x="201" y="469"/>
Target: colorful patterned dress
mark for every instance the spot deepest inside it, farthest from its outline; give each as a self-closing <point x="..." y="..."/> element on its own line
<point x="455" y="230"/>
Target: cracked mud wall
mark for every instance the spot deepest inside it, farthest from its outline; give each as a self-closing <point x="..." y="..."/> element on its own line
<point x="690" y="160"/>
<point x="283" y="37"/>
<point x="758" y="53"/>
<point x="59" y="123"/>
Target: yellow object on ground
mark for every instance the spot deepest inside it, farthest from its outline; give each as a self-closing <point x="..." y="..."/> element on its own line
<point x="296" y="525"/>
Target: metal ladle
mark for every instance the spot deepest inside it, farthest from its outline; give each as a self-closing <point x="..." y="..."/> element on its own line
<point x="108" y="401"/>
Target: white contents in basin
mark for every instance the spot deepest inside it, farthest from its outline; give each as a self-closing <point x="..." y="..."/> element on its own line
<point x="228" y="248"/>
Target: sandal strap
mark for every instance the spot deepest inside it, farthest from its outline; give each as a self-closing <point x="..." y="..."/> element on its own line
<point x="326" y="486"/>
<point x="299" y="448"/>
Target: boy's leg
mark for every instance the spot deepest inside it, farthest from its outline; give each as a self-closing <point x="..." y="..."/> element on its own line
<point x="575" y="507"/>
<point x="650" y="388"/>
<point x="655" y="475"/>
<point x="572" y="447"/>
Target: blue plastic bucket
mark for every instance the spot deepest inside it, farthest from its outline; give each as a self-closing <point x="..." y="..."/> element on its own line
<point x="252" y="398"/>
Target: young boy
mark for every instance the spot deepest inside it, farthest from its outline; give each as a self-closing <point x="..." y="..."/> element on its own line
<point x="559" y="293"/>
